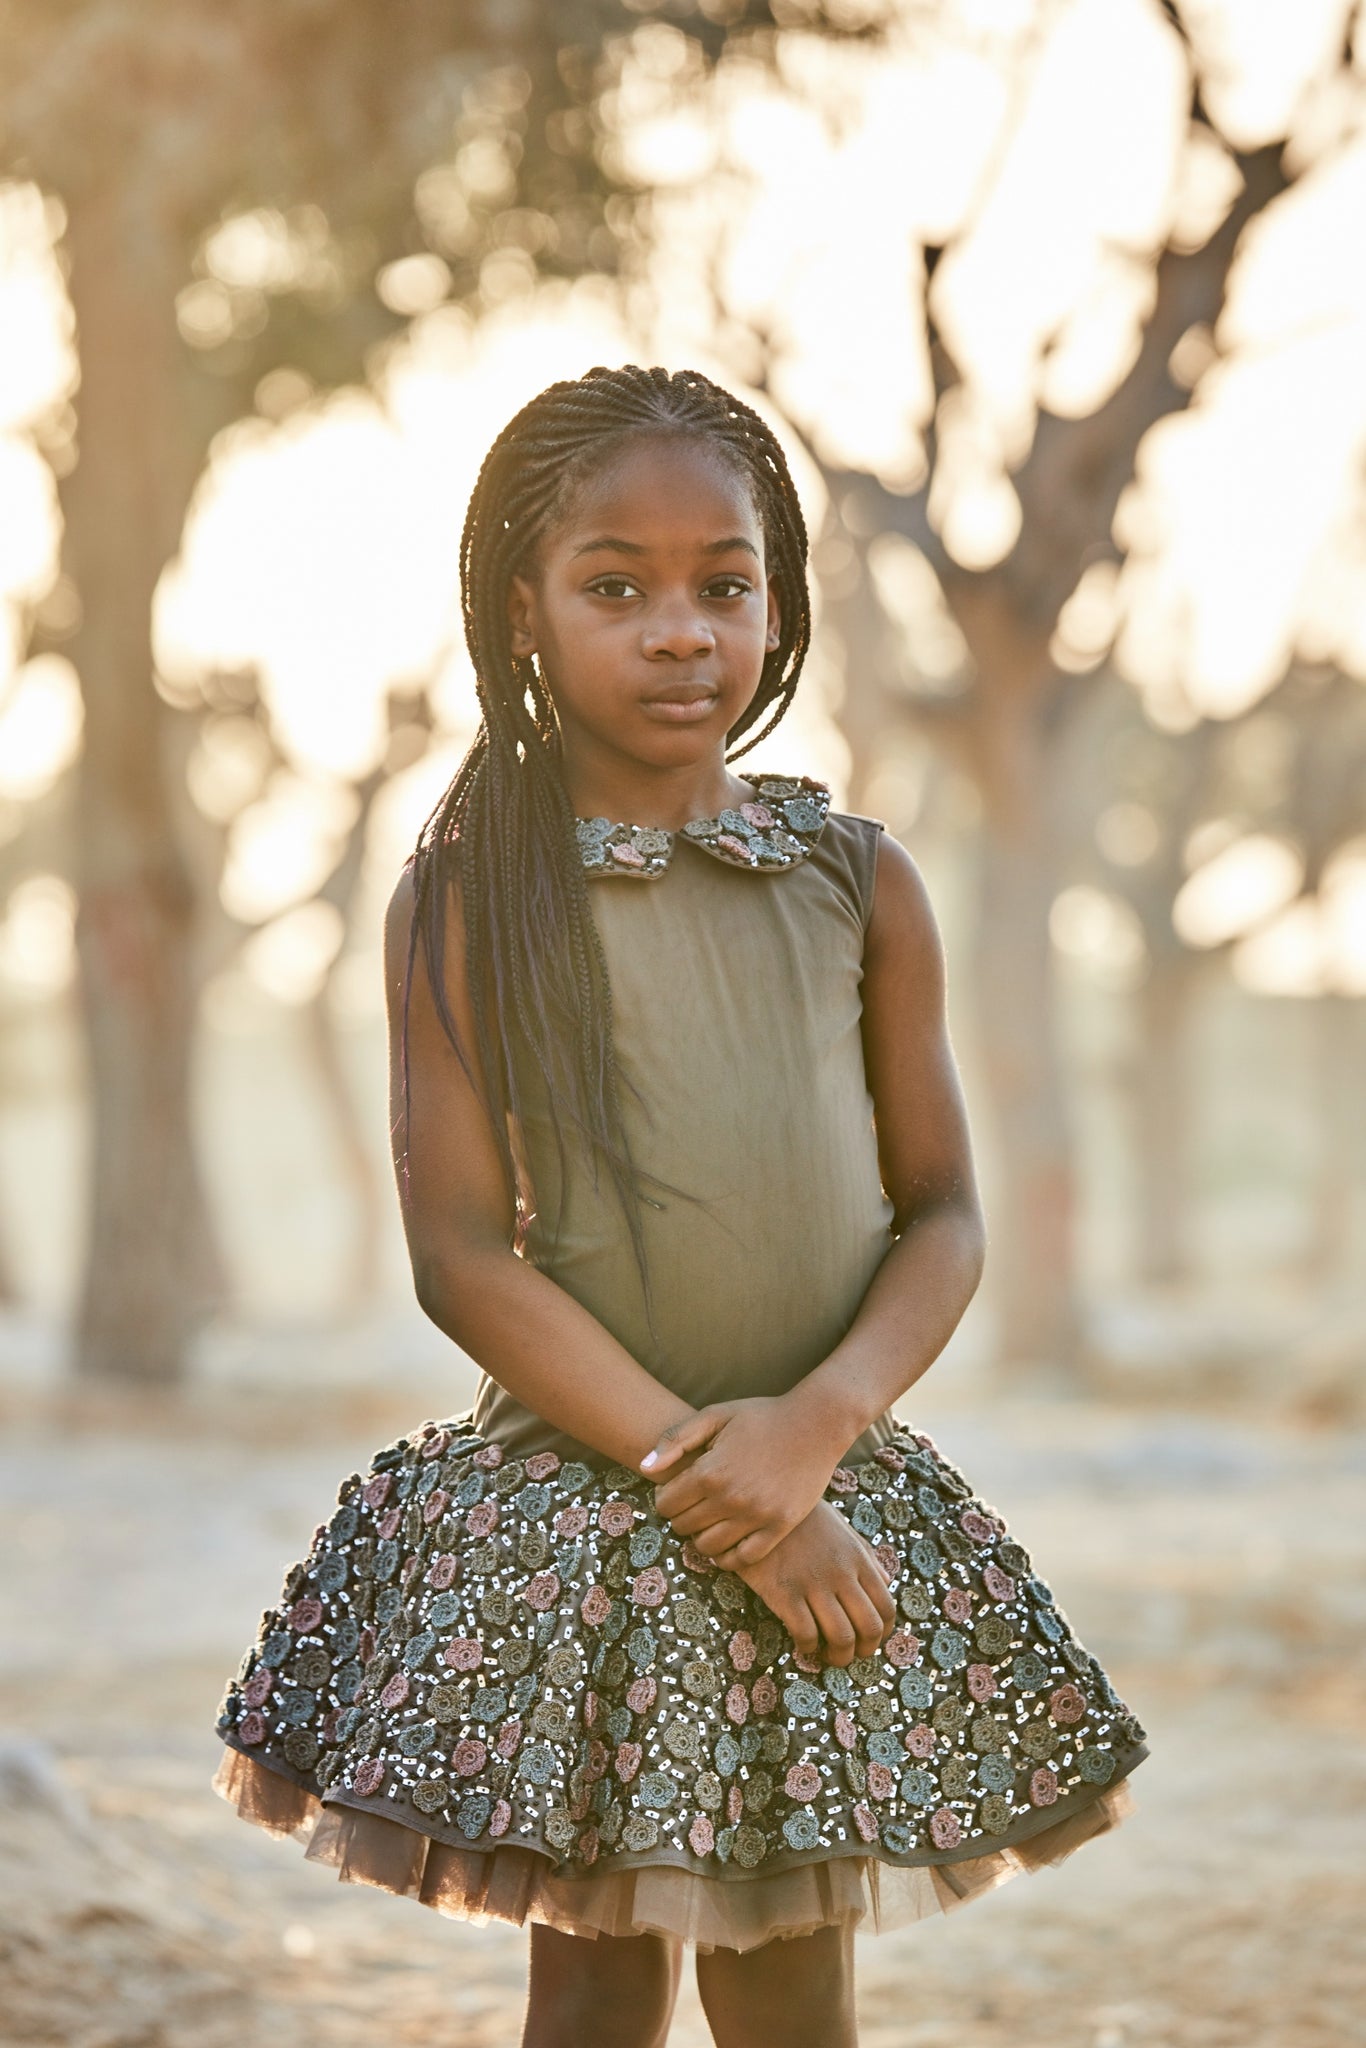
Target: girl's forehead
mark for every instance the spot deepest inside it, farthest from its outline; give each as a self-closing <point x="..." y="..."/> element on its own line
<point x="664" y="486"/>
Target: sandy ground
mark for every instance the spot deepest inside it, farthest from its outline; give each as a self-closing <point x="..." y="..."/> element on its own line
<point x="1214" y="1564"/>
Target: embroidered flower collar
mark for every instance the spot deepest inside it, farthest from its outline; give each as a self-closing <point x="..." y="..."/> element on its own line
<point x="776" y="829"/>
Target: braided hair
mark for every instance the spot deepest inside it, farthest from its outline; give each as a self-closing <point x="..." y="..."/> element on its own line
<point x="504" y="829"/>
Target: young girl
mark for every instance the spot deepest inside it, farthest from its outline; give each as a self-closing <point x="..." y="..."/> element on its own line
<point x="678" y="1636"/>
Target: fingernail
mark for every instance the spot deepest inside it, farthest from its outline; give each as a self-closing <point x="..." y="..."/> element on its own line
<point x="648" y="1460"/>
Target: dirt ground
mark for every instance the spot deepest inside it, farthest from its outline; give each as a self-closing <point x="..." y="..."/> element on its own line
<point x="1214" y="1563"/>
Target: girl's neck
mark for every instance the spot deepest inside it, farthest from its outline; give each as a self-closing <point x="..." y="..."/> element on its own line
<point x="632" y="792"/>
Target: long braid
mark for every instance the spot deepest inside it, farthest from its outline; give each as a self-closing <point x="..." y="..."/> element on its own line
<point x="505" y="826"/>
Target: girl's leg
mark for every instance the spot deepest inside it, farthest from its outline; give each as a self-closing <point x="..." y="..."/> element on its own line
<point x="615" y="1992"/>
<point x="798" y="1992"/>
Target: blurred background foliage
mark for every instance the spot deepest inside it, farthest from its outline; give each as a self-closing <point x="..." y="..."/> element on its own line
<point x="1059" y="307"/>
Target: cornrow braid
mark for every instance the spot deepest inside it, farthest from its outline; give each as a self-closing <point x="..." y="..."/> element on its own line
<point x="504" y="829"/>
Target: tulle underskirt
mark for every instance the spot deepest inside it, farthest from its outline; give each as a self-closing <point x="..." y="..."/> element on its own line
<point x="510" y="1883"/>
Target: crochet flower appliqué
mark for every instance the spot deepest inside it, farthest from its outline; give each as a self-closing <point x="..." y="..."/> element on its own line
<point x="776" y="830"/>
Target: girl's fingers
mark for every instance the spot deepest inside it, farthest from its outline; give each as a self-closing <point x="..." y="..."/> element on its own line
<point x="837" y="1630"/>
<point x="750" y="1549"/>
<point x="863" y="1619"/>
<point x="801" y="1624"/>
<point x="680" y="1438"/>
<point x="681" y="1496"/>
<point x="716" y="1537"/>
<point x="875" y="1586"/>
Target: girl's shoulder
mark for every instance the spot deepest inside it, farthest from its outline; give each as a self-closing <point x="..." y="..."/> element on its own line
<point x="847" y="852"/>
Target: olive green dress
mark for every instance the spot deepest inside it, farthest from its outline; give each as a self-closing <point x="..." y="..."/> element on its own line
<point x="501" y="1684"/>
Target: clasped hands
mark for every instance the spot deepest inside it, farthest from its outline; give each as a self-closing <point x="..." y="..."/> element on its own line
<point x="744" y="1481"/>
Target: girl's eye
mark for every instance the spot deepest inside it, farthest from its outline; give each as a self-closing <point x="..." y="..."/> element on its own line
<point x="612" y="586"/>
<point x="737" y="587"/>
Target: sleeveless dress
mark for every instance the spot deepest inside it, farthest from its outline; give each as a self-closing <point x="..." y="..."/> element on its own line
<point x="500" y="1684"/>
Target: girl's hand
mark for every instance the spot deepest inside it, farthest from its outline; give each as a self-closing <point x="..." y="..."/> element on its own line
<point x="826" y="1587"/>
<point x="754" y="1470"/>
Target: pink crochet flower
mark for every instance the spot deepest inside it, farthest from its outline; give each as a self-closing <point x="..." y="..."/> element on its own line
<point x="920" y="1741"/>
<point x="976" y="1525"/>
<point x="443" y="1571"/>
<point x="376" y="1491"/>
<point x="592" y="1709"/>
<point x="880" y="1782"/>
<point x="396" y="1691"/>
<point x="842" y="1480"/>
<point x="542" y="1465"/>
<point x="641" y="1694"/>
<point x="305" y="1615"/>
<point x="805" y="1663"/>
<point x="464" y="1653"/>
<point x="733" y="845"/>
<point x="252" y="1729"/>
<point x="1043" y="1786"/>
<point x="508" y="1740"/>
<point x="542" y="1592"/>
<point x="257" y="1689"/>
<point x="891" y="1457"/>
<point x="901" y="1649"/>
<point x="1067" y="1703"/>
<point x="982" y="1681"/>
<point x="802" y="1782"/>
<point x="489" y="1457"/>
<point x="628" y="1761"/>
<point x="946" y="1828"/>
<point x="764" y="1694"/>
<point x="483" y="1519"/>
<point x="649" y="1587"/>
<point x="999" y="1584"/>
<point x="757" y="815"/>
<point x="693" y="1560"/>
<point x="410" y="1569"/>
<point x="501" y="1818"/>
<point x="389" y="1524"/>
<point x="369" y="1776"/>
<point x="615" y="1517"/>
<point x="572" y="1521"/>
<point x="735" y="1804"/>
<point x="329" y="1723"/>
<point x="437" y="1502"/>
<point x="926" y="1443"/>
<point x="626" y="856"/>
<point x="846" y="1734"/>
<point x="888" y="1557"/>
<point x="434" y="1446"/>
<point x="595" y="1762"/>
<point x="367" y="1643"/>
<point x="742" y="1651"/>
<point x="701" y="1836"/>
<point x="469" y="1757"/>
<point x="958" y="1604"/>
<point x="588" y="1846"/>
<point x="866" y="1822"/>
<point x="737" y="1705"/>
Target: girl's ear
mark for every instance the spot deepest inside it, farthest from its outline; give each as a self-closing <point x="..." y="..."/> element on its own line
<point x="521" y="612"/>
<point x="775" y="621"/>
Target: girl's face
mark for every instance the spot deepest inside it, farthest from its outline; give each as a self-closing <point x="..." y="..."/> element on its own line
<point x="651" y="612"/>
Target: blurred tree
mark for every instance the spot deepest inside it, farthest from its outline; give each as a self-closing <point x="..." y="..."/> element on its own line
<point x="1011" y="704"/>
<point x="248" y="187"/>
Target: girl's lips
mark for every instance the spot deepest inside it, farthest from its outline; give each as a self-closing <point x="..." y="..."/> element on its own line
<point x="681" y="710"/>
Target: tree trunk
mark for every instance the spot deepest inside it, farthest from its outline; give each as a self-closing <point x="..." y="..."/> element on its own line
<point x="148" y="1251"/>
<point x="1163" y="1111"/>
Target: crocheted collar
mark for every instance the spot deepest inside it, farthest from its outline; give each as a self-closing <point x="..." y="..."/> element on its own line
<point x="776" y="829"/>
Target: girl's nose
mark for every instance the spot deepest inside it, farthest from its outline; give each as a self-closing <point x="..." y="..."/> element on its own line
<point x="678" y="631"/>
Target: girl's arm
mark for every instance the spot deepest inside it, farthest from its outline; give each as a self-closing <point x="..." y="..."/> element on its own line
<point x="764" y="1463"/>
<point x="527" y="1333"/>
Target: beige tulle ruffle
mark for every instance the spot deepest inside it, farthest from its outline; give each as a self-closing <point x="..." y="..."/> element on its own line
<point x="514" y="1884"/>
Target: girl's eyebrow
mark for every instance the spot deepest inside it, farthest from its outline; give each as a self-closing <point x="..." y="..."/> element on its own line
<point x="633" y="547"/>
